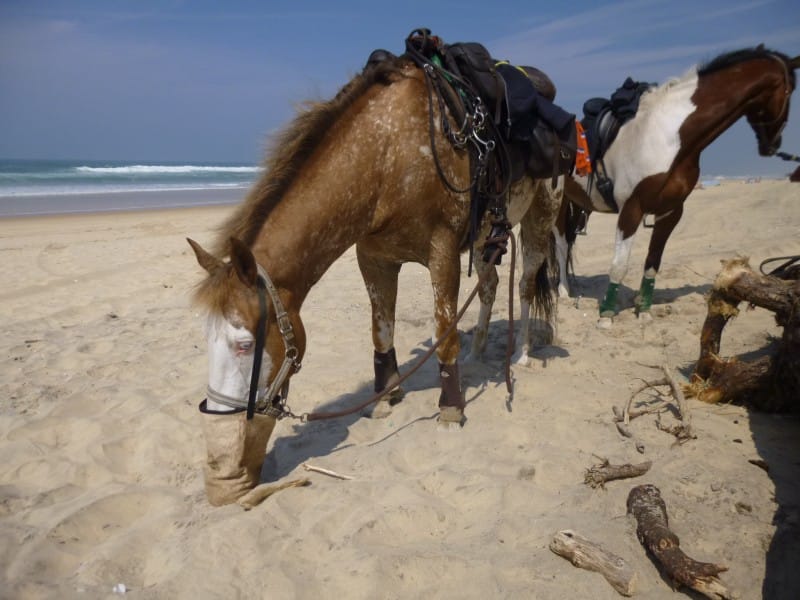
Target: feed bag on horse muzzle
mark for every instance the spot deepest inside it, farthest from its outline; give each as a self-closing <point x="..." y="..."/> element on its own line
<point x="235" y="449"/>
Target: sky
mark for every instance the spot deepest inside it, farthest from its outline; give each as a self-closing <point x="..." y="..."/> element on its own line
<point x="210" y="81"/>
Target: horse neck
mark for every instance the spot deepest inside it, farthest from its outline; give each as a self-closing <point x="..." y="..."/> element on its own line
<point x="347" y="188"/>
<point x="302" y="239"/>
<point x="722" y="98"/>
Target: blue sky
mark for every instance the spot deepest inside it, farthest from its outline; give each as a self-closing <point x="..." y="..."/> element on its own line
<point x="209" y="81"/>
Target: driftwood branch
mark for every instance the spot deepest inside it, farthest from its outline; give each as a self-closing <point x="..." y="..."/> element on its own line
<point x="590" y="556"/>
<point x="647" y="506"/>
<point x="597" y="475"/>
<point x="683" y="431"/>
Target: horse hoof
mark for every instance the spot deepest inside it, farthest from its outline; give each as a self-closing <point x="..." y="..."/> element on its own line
<point x="522" y="359"/>
<point x="380" y="410"/>
<point x="450" y="418"/>
<point x="604" y="323"/>
<point x="645" y="317"/>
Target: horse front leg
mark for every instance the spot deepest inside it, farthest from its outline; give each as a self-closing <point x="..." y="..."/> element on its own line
<point x="628" y="223"/>
<point x="535" y="290"/>
<point x="380" y="278"/>
<point x="445" y="270"/>
<point x="662" y="229"/>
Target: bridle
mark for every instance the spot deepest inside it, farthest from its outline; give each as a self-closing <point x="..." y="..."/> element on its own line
<point x="760" y="127"/>
<point x="272" y="401"/>
<point x="273" y="404"/>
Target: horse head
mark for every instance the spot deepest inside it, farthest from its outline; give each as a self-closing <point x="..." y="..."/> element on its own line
<point x="770" y="112"/>
<point x="234" y="295"/>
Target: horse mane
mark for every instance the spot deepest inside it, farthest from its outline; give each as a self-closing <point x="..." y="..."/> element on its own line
<point x="290" y="150"/>
<point x="735" y="57"/>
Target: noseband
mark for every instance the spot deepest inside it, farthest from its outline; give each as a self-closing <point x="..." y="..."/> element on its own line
<point x="760" y="127"/>
<point x="272" y="401"/>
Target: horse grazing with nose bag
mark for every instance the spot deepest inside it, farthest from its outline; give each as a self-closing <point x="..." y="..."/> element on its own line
<point x="653" y="162"/>
<point x="357" y="169"/>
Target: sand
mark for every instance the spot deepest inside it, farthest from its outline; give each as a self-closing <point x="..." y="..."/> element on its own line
<point x="101" y="451"/>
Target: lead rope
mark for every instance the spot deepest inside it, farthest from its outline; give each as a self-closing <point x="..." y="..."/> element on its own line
<point x="318" y="416"/>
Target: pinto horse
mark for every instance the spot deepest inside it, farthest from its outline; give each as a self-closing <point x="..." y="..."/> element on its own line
<point x="654" y="162"/>
<point x="357" y="169"/>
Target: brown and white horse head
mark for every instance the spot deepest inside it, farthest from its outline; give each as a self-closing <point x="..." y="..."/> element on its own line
<point x="230" y="295"/>
<point x="769" y="110"/>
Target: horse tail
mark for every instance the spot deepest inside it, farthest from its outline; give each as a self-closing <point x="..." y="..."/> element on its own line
<point x="543" y="300"/>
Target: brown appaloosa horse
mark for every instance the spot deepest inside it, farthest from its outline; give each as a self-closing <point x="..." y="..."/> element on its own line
<point x="357" y="169"/>
<point x="654" y="162"/>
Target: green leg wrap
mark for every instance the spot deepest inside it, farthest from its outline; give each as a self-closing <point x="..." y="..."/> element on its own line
<point x="608" y="307"/>
<point x="644" y="299"/>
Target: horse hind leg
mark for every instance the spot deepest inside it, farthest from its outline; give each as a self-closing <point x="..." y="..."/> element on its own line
<point x="562" y="247"/>
<point x="486" y="294"/>
<point x="380" y="278"/>
<point x="535" y="290"/>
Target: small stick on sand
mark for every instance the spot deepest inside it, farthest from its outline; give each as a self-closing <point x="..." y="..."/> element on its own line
<point x="597" y="475"/>
<point x="587" y="555"/>
<point x="328" y="472"/>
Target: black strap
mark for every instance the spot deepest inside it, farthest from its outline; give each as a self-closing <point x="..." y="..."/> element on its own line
<point x="258" y="353"/>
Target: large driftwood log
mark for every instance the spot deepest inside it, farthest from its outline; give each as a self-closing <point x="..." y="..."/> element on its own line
<point x="647" y="506"/>
<point x="587" y="555"/>
<point x="770" y="382"/>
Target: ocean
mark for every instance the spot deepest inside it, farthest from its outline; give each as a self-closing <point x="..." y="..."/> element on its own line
<point x="37" y="187"/>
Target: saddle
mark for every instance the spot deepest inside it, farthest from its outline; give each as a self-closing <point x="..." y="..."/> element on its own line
<point x="601" y="122"/>
<point x="506" y="118"/>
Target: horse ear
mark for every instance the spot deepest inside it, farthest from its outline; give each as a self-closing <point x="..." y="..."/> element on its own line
<point x="209" y="262"/>
<point x="795" y="62"/>
<point x="244" y="263"/>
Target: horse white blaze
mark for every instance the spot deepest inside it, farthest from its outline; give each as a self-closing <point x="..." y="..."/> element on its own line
<point x="230" y="361"/>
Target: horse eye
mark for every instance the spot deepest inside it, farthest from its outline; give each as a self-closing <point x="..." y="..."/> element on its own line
<point x="244" y="346"/>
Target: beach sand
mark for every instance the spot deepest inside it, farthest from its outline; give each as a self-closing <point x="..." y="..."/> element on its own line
<point x="101" y="450"/>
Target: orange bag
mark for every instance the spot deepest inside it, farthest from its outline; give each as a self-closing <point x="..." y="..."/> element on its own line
<point x="583" y="162"/>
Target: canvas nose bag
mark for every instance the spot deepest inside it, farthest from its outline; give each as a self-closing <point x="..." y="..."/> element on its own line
<point x="235" y="447"/>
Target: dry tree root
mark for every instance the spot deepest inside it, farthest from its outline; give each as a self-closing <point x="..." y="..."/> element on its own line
<point x="597" y="475"/>
<point x="647" y="506"/>
<point x="588" y="555"/>
<point x="770" y="382"/>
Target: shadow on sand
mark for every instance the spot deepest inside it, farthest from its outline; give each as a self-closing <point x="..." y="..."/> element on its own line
<point x="300" y="442"/>
<point x="777" y="441"/>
